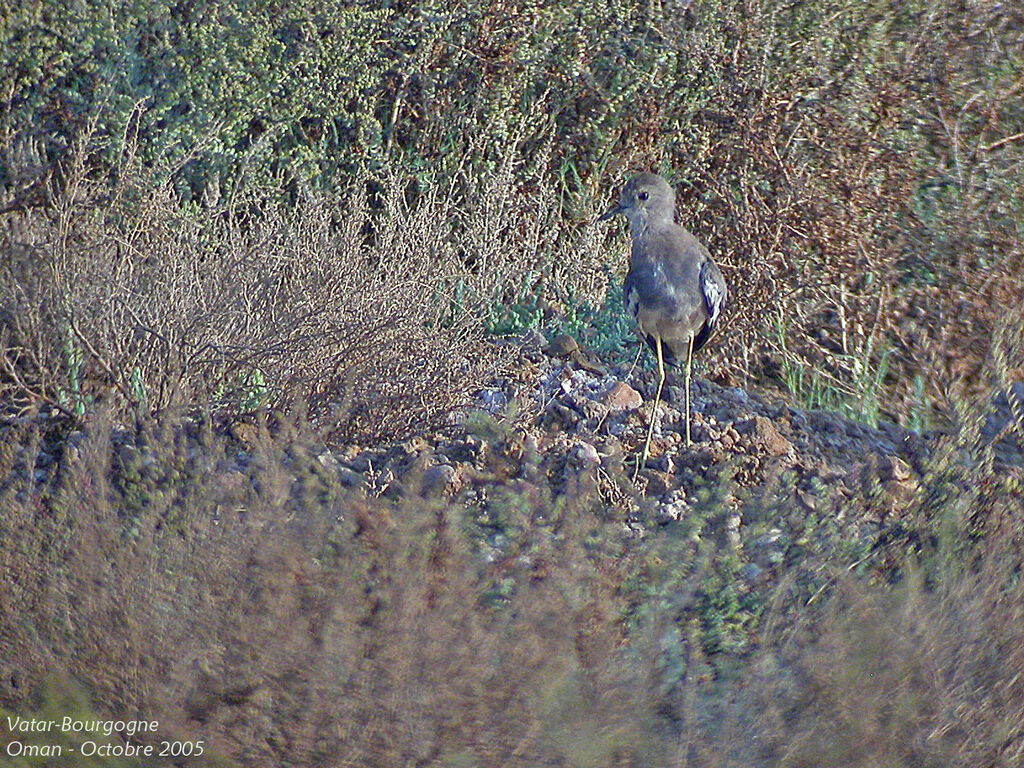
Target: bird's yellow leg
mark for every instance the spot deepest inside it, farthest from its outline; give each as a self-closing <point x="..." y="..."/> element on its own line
<point x="689" y="361"/>
<point x="654" y="411"/>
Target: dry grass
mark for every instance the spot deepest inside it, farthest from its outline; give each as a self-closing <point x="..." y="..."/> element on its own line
<point x="924" y="676"/>
<point x="856" y="179"/>
<point x="292" y="622"/>
<point x="251" y="600"/>
<point x="372" y="319"/>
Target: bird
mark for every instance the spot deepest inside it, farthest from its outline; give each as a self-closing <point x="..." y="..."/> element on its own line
<point x="673" y="288"/>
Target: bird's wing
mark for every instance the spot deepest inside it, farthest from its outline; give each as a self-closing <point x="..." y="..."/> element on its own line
<point x="713" y="291"/>
<point x="712" y="286"/>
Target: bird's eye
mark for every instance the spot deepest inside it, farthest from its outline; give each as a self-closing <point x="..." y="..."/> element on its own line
<point x="642" y="195"/>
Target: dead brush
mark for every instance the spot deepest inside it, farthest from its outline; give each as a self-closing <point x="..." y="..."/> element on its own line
<point x="293" y="621"/>
<point x="924" y="674"/>
<point x="131" y="299"/>
<point x="922" y="663"/>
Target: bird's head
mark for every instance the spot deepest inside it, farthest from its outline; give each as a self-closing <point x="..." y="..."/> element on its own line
<point x="646" y="199"/>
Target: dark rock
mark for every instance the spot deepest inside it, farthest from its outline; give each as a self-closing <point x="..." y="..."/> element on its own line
<point x="440" y="478"/>
<point x="562" y="345"/>
<point x="586" y="455"/>
<point x="533" y="340"/>
<point x="588" y="362"/>
<point x="658" y="482"/>
<point x="594" y="410"/>
<point x="558" y="415"/>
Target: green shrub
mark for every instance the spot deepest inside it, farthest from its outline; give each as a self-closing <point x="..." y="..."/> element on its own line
<point x="212" y="92"/>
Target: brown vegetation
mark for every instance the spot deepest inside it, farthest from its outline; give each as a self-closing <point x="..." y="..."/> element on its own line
<point x="252" y="598"/>
<point x="293" y="622"/>
<point x="184" y="356"/>
<point x="250" y="304"/>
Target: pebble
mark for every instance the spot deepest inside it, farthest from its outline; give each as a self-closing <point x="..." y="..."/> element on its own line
<point x="671" y="511"/>
<point x="586" y="455"/>
<point x="658" y="482"/>
<point x="562" y="345"/>
<point x="440" y="478"/>
<point x="764" y="435"/>
<point x="622" y="397"/>
<point x="533" y="340"/>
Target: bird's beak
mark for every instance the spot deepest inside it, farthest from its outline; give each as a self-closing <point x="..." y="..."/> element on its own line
<point x="613" y="212"/>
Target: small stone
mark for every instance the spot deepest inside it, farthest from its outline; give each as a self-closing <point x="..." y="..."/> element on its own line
<point x="616" y="429"/>
<point x="347" y="453"/>
<point x="492" y="400"/>
<point x="731" y="530"/>
<point x="558" y="415"/>
<point x="562" y="345"/>
<point x="592" y="409"/>
<point x="328" y="460"/>
<point x="440" y="478"/>
<point x="700" y="433"/>
<point x="764" y="436"/>
<point x="588" y="362"/>
<point x="672" y="511"/>
<point x="415" y="445"/>
<point x="586" y="455"/>
<point x="737" y="395"/>
<point x="244" y="432"/>
<point x="611" y="449"/>
<point x="622" y="397"/>
<point x="658" y="482"/>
